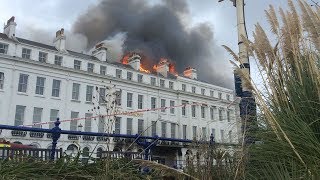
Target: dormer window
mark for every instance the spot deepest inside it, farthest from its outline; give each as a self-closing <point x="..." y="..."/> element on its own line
<point x="26" y="53"/>
<point x="58" y="60"/>
<point x="77" y="64"/>
<point x="43" y="57"/>
<point x="118" y="73"/>
<point x="129" y="76"/>
<point x="3" y="48"/>
<point x="90" y="67"/>
<point x="203" y="91"/>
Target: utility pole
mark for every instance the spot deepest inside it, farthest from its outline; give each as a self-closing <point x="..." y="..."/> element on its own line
<point x="247" y="102"/>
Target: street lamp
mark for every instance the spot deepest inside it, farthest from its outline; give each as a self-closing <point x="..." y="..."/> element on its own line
<point x="247" y="102"/>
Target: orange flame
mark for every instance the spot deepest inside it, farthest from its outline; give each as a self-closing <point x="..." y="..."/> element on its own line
<point x="125" y="60"/>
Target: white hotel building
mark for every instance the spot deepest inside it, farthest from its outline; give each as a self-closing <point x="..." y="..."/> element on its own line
<point x="40" y="82"/>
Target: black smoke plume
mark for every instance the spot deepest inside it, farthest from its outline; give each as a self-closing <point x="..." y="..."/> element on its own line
<point x="158" y="30"/>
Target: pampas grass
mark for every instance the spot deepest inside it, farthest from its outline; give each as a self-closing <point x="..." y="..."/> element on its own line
<point x="289" y="99"/>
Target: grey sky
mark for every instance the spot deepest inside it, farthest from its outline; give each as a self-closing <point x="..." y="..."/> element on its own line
<point x="50" y="16"/>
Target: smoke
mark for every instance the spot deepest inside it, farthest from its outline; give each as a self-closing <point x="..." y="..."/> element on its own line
<point x="158" y="30"/>
<point x="75" y="41"/>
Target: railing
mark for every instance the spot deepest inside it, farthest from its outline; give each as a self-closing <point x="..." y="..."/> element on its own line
<point x="147" y="142"/>
<point x="21" y="154"/>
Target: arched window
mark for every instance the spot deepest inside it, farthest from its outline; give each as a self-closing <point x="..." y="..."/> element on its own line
<point x="85" y="152"/>
<point x="72" y="149"/>
<point x="99" y="152"/>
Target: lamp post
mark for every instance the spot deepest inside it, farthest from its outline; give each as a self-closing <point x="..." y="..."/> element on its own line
<point x="247" y="102"/>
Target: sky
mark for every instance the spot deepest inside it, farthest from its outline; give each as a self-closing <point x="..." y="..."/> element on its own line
<point x="50" y="15"/>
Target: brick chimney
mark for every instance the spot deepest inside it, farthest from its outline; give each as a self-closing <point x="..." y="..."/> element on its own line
<point x="163" y="67"/>
<point x="100" y="51"/>
<point x="10" y="28"/>
<point x="190" y="72"/>
<point x="60" y="40"/>
<point x="134" y="61"/>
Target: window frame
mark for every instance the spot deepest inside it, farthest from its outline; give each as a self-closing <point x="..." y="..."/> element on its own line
<point x="129" y="75"/>
<point x="43" y="57"/>
<point x="1" y="80"/>
<point x="26" y="53"/>
<point x="103" y="70"/>
<point x="129" y="99"/>
<point x="58" y="60"/>
<point x="89" y="93"/>
<point x="56" y="85"/>
<point x="140" y="101"/>
<point x="77" y="64"/>
<point x="23" y="83"/>
<point x="90" y="67"/>
<point x="40" y="85"/>
<point x="19" y="115"/>
<point x="75" y="91"/>
<point x="4" y="48"/>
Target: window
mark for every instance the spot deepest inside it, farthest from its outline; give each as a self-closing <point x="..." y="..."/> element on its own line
<point x="173" y="130"/>
<point x="184" y="87"/>
<point x="102" y="95"/>
<point x="140" y="126"/>
<point x="172" y="108"/>
<point x="77" y="64"/>
<point x="153" y="81"/>
<point x="129" y="126"/>
<point x="193" y="89"/>
<point x="183" y="108"/>
<point x="118" y="98"/>
<point x="103" y="70"/>
<point x="117" y="125"/>
<point x="129" y="76"/>
<point x="161" y="83"/>
<point x="194" y="132"/>
<point x="222" y="135"/>
<point x="213" y="132"/>
<point x="193" y="110"/>
<point x="101" y="124"/>
<point x="203" y="91"/>
<point x="153" y="102"/>
<point x="75" y="91"/>
<point x="40" y="85"/>
<point x="87" y="122"/>
<point x="23" y="83"/>
<point x="58" y="60"/>
<point x="90" y="67"/>
<point x="1" y="80"/>
<point x="163" y="105"/>
<point x="170" y="84"/>
<point x="230" y="136"/>
<point x="211" y="113"/>
<point x="140" y="101"/>
<point x="204" y="133"/>
<point x="228" y="116"/>
<point x="184" y="131"/>
<point x="220" y="115"/>
<point x="163" y="129"/>
<point x="56" y="88"/>
<point x="37" y="114"/>
<point x="26" y="53"/>
<point x="220" y="95"/>
<point x="53" y="117"/>
<point x="43" y="57"/>
<point x="211" y="93"/>
<point x="140" y="78"/>
<point x="118" y="73"/>
<point x="3" y="48"/>
<point x="228" y="97"/>
<point x="203" y="112"/>
<point x="89" y="93"/>
<point x="153" y="128"/>
<point x="19" y="116"/>
<point x="129" y="100"/>
<point x="74" y="123"/>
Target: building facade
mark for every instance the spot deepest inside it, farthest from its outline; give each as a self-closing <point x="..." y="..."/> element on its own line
<point x="40" y="82"/>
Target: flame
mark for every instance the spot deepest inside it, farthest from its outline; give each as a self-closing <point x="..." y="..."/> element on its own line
<point x="125" y="60"/>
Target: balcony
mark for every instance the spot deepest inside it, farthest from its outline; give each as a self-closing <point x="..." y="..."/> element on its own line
<point x="73" y="137"/>
<point x="49" y="135"/>
<point x="102" y="138"/>
<point x="19" y="133"/>
<point x="88" y="138"/>
<point x="36" y="134"/>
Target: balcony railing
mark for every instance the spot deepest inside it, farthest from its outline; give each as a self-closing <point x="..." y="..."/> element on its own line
<point x="36" y="134"/>
<point x="19" y="133"/>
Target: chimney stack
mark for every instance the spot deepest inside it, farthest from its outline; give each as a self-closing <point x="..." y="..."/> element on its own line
<point x="10" y="28"/>
<point x="190" y="72"/>
<point x="100" y="51"/>
<point x="134" y="61"/>
<point x="163" y="67"/>
<point x="60" y="40"/>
